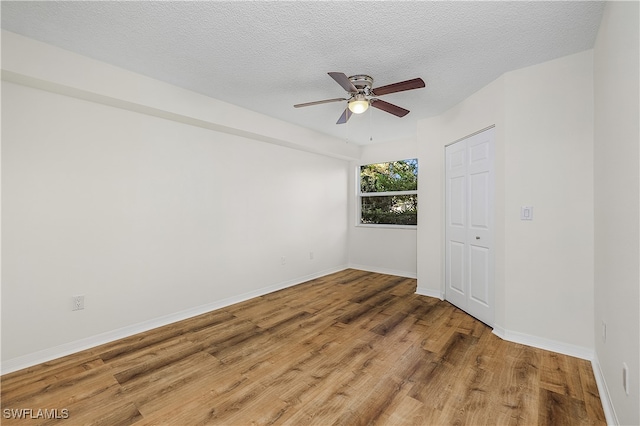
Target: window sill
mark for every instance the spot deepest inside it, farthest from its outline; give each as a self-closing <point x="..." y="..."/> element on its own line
<point x="372" y="225"/>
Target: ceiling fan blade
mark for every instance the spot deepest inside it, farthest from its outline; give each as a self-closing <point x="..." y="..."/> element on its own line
<point x="415" y="83"/>
<point x="326" y="101"/>
<point x="345" y="116"/>
<point x="343" y="80"/>
<point x="390" y="108"/>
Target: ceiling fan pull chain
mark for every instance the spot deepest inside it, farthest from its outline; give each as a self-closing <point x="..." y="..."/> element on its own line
<point x="370" y="126"/>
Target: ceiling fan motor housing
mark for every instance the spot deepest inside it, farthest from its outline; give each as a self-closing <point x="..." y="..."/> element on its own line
<point x="362" y="82"/>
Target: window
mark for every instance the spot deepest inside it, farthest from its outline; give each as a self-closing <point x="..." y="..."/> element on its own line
<point x="388" y="193"/>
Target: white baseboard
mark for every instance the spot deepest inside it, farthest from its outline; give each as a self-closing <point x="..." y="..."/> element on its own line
<point x="543" y="343"/>
<point x="423" y="291"/>
<point x="387" y="271"/>
<point x="65" y="349"/>
<point x="603" y="391"/>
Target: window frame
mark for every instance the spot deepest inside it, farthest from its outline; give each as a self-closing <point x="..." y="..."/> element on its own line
<point x="360" y="195"/>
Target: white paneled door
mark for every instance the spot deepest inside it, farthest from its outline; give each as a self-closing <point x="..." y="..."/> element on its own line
<point x="469" y="274"/>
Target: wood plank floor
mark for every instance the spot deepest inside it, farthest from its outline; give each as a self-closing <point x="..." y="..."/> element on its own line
<point x="350" y="348"/>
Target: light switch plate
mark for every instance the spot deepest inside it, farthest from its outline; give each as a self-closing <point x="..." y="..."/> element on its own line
<point x="526" y="213"/>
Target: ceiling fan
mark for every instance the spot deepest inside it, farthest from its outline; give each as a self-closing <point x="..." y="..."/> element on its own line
<point x="361" y="95"/>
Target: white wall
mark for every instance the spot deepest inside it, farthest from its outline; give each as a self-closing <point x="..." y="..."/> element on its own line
<point x="549" y="165"/>
<point x="617" y="205"/>
<point x="389" y="250"/>
<point x="152" y="215"/>
<point x="543" y="116"/>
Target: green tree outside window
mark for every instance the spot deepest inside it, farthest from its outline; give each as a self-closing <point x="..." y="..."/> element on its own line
<point x="388" y="193"/>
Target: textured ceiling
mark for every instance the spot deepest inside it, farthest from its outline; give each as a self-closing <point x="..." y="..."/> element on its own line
<point x="268" y="56"/>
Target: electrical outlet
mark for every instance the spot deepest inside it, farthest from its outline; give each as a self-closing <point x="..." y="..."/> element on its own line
<point x="310" y="255"/>
<point x="625" y="377"/>
<point x="77" y="303"/>
<point x="283" y="260"/>
<point x="604" y="331"/>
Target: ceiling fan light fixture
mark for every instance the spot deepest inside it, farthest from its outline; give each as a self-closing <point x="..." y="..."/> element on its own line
<point x="358" y="104"/>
